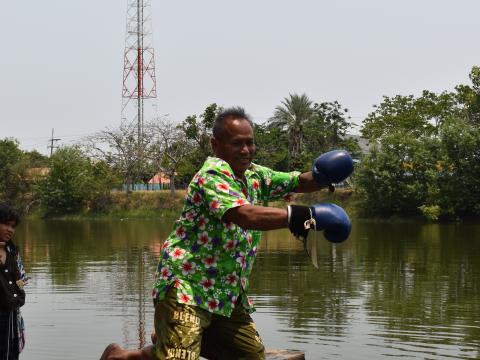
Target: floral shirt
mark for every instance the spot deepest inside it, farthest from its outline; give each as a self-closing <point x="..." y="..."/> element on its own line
<point x="209" y="260"/>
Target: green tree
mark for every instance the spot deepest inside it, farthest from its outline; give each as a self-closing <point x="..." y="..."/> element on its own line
<point x="393" y="178"/>
<point x="72" y="182"/>
<point x="270" y="144"/>
<point x="291" y="117"/>
<point x="199" y="130"/>
<point x="13" y="182"/>
<point x="457" y="180"/>
<point x="36" y="160"/>
<point x="426" y="158"/>
<point x="328" y="130"/>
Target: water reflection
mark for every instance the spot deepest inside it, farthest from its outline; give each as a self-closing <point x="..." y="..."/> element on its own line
<point x="400" y="289"/>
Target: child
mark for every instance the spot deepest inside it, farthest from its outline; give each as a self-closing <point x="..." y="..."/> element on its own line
<point x="12" y="279"/>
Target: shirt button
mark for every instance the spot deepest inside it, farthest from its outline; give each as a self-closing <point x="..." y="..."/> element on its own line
<point x="14" y="295"/>
<point x="6" y="270"/>
<point x="10" y="282"/>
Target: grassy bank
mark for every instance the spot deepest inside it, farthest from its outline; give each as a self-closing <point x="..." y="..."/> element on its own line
<point x="134" y="205"/>
<point x="156" y="204"/>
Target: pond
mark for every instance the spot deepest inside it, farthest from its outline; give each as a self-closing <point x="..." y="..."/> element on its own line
<point x="401" y="289"/>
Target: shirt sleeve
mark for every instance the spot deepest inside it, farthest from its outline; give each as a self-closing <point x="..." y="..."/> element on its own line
<point x="277" y="185"/>
<point x="21" y="269"/>
<point x="221" y="192"/>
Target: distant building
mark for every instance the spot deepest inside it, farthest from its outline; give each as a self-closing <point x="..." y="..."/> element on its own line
<point x="160" y="179"/>
<point x="158" y="182"/>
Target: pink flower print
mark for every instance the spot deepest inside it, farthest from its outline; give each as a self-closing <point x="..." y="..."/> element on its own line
<point x="212" y="304"/>
<point x="243" y="281"/>
<point x="222" y="187"/>
<point x="229" y="245"/>
<point x="232" y="279"/>
<point x="249" y="239"/>
<point x="214" y="205"/>
<point x="255" y="184"/>
<point x="234" y="300"/>
<point x="241" y="260"/>
<point x="240" y="202"/>
<point x="229" y="225"/>
<point x="250" y="302"/>
<point x="165" y="273"/>
<point x="288" y="197"/>
<point x="184" y="298"/>
<point x="207" y="283"/>
<point x="189" y="215"/>
<point x="176" y="283"/>
<point x="201" y="180"/>
<point x="197" y="198"/>
<point x="188" y="267"/>
<point x="180" y="232"/>
<point x="203" y="238"/>
<point x="226" y="172"/>
<point x="210" y="261"/>
<point x="202" y="221"/>
<point x="178" y="253"/>
<point x="165" y="244"/>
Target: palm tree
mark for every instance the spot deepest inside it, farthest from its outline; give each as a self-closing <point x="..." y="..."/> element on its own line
<point x="291" y="116"/>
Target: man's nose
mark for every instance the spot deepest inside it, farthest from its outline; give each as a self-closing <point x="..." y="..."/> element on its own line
<point x="245" y="148"/>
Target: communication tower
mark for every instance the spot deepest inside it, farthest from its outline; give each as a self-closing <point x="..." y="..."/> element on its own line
<point x="139" y="82"/>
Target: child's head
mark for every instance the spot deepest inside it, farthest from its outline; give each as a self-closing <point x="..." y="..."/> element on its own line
<point x="9" y="219"/>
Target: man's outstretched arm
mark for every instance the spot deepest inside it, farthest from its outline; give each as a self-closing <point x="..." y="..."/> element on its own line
<point x="255" y="217"/>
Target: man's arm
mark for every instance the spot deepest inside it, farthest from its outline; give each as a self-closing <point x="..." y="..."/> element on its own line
<point x="306" y="183"/>
<point x="255" y="217"/>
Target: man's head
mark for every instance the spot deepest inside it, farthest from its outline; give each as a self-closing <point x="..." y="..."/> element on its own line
<point x="232" y="139"/>
<point x="9" y="220"/>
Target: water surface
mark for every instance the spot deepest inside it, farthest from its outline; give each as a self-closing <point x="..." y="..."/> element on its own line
<point x="391" y="290"/>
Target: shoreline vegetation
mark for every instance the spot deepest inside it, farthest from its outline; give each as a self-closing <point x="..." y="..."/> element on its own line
<point x="416" y="157"/>
<point x="161" y="204"/>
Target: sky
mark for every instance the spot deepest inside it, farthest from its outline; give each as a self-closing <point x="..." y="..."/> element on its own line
<point x="61" y="61"/>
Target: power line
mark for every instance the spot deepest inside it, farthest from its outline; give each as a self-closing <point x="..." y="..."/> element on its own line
<point x="52" y="141"/>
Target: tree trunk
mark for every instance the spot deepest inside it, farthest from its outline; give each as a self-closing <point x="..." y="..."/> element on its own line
<point x="172" y="184"/>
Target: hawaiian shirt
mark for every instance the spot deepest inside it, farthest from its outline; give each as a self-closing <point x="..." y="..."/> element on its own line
<point x="209" y="260"/>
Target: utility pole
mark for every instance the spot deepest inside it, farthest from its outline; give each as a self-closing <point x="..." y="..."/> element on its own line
<point x="139" y="81"/>
<point x="51" y="146"/>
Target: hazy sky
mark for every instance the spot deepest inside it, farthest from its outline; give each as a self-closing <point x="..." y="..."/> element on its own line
<point x="61" y="61"/>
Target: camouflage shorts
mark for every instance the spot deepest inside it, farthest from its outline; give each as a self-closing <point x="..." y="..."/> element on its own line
<point x="185" y="332"/>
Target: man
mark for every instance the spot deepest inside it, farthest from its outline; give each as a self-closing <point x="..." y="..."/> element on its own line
<point x="201" y="287"/>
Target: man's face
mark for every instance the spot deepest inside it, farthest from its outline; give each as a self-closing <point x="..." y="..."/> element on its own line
<point x="6" y="232"/>
<point x="236" y="145"/>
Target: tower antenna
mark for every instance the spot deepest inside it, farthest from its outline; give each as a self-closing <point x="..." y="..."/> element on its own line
<point x="139" y="81"/>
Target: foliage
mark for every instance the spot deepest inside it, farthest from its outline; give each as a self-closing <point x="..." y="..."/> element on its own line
<point x="291" y="117"/>
<point x="426" y="158"/>
<point x="13" y="182"/>
<point x="124" y="152"/>
<point x="169" y="149"/>
<point x="270" y="144"/>
<point x="198" y="130"/>
<point x="73" y="183"/>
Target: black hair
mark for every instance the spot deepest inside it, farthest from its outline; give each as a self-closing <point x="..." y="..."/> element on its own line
<point x="8" y="214"/>
<point x="235" y="112"/>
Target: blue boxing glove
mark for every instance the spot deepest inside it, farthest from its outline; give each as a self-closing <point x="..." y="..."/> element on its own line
<point x="332" y="167"/>
<point x="330" y="218"/>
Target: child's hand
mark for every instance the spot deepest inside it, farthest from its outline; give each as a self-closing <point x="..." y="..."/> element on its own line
<point x="20" y="284"/>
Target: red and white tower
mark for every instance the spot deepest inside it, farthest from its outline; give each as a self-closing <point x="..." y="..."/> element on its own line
<point x="139" y="82"/>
